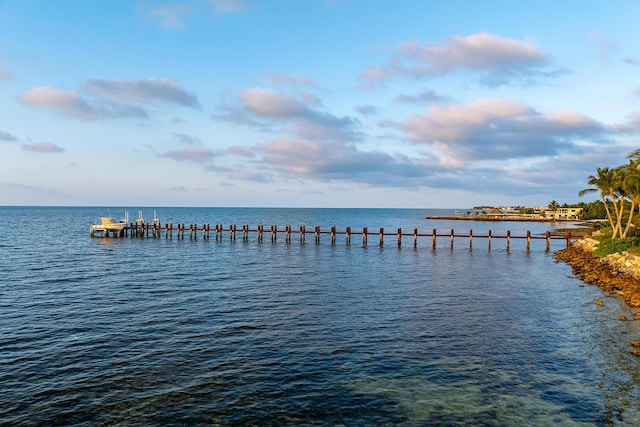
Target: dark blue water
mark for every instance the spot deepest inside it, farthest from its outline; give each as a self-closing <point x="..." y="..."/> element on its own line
<point x="124" y="331"/>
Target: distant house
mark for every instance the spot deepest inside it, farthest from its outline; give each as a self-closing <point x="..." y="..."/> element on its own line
<point x="495" y="212"/>
<point x="564" y="213"/>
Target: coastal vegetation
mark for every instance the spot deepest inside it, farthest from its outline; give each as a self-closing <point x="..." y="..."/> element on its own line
<point x="619" y="191"/>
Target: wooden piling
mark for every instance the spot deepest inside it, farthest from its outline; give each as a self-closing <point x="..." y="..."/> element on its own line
<point x="508" y="239"/>
<point x="548" y="241"/>
<point x="317" y="234"/>
<point x="528" y="241"/>
<point x="489" y="239"/>
<point x="333" y="236"/>
<point x="433" y="236"/>
<point x="452" y="237"/>
<point x="381" y="237"/>
<point x="347" y="236"/>
<point x="415" y="237"/>
<point x="399" y="237"/>
<point x="365" y="237"/>
<point x="470" y="239"/>
<point x="303" y="234"/>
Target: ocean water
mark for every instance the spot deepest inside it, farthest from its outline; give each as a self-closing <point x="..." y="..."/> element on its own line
<point x="155" y="331"/>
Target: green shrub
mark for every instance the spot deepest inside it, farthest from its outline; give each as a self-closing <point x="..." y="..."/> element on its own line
<point x="610" y="246"/>
<point x="634" y="232"/>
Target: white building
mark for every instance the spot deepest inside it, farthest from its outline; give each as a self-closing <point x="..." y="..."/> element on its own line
<point x="564" y="213"/>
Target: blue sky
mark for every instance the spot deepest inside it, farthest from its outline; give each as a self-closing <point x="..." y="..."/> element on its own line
<point x="318" y="103"/>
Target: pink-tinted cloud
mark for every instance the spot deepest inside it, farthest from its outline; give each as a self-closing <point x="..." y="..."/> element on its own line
<point x="268" y="103"/>
<point x="497" y="57"/>
<point x="299" y="116"/>
<point x="301" y="158"/>
<point x="477" y="51"/>
<point x="5" y="73"/>
<point x="109" y="99"/>
<point x="498" y="129"/>
<point x="43" y="147"/>
<point x="64" y="101"/>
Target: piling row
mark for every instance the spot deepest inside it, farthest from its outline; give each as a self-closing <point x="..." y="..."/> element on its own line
<point x="232" y="232"/>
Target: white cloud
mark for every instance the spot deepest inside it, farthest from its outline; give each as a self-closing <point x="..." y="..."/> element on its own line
<point x="289" y="79"/>
<point x="187" y="139"/>
<point x="367" y="110"/>
<point x="145" y="91"/>
<point x="425" y="97"/>
<point x="604" y="48"/>
<point x="240" y="151"/>
<point x="170" y="16"/>
<point x="6" y="136"/>
<point x="221" y="7"/>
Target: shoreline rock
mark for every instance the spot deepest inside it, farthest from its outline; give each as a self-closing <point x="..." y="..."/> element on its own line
<point x="618" y="274"/>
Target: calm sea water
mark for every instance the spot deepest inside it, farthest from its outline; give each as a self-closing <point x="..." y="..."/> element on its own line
<point x="124" y="331"/>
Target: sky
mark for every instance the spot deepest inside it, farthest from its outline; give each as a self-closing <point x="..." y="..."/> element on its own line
<point x="314" y="103"/>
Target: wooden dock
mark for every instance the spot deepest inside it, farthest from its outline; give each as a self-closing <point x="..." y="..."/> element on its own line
<point x="233" y="233"/>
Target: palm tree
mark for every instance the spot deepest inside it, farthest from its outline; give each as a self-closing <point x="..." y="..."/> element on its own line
<point x="631" y="184"/>
<point x="605" y="182"/>
<point x="553" y="206"/>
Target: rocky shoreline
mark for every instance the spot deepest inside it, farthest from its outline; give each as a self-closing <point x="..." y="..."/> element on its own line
<point x="618" y="274"/>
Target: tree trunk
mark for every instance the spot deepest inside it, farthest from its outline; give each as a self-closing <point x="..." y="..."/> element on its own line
<point x="634" y="203"/>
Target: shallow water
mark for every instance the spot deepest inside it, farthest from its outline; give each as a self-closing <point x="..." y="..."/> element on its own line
<point x="168" y="331"/>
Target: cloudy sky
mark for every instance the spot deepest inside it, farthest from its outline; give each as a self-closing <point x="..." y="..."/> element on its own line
<point x="320" y="103"/>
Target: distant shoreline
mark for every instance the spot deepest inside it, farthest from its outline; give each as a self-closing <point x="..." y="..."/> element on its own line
<point x="497" y="218"/>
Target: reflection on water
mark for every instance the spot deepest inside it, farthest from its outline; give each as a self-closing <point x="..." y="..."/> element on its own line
<point x="167" y="331"/>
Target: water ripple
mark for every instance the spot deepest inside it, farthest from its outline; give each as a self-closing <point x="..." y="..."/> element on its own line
<point x="165" y="331"/>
